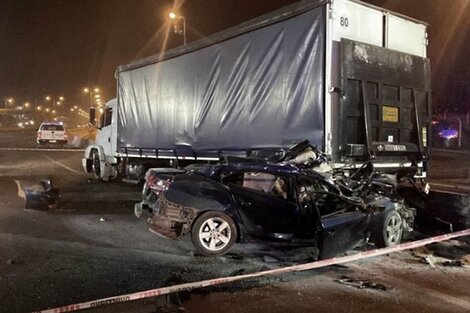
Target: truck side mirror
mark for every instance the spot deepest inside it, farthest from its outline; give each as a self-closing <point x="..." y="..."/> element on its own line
<point x="92" y="116"/>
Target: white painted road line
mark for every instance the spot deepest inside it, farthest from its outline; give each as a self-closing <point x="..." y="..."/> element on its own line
<point x="42" y="150"/>
<point x="63" y="165"/>
<point x="224" y="280"/>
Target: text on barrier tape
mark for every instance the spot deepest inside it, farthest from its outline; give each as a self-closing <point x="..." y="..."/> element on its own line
<point x="224" y="280"/>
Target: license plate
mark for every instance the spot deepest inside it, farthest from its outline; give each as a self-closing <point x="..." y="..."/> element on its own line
<point x="52" y="140"/>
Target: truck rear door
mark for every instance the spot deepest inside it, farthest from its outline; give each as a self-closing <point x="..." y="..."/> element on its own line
<point x="380" y="88"/>
<point x="386" y="108"/>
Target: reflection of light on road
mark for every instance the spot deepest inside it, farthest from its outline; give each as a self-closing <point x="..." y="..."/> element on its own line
<point x="63" y="165"/>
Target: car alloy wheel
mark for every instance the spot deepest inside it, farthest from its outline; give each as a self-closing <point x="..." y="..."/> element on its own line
<point x="214" y="233"/>
<point x="394" y="230"/>
<point x="387" y="229"/>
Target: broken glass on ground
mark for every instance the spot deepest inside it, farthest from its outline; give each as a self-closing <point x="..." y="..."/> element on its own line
<point x="362" y="283"/>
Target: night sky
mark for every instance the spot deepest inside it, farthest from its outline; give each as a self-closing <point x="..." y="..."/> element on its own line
<point x="57" y="47"/>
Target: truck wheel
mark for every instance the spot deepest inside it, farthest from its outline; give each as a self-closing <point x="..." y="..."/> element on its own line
<point x="213" y="233"/>
<point x="95" y="164"/>
<point x="388" y="229"/>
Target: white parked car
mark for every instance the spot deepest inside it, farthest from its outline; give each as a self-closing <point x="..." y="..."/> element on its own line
<point x="52" y="132"/>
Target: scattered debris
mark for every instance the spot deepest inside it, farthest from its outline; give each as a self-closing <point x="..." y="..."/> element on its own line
<point x="238" y="272"/>
<point x="453" y="263"/>
<point x="270" y="259"/>
<point x="11" y="262"/>
<point x="244" y="271"/>
<point x="453" y="253"/>
<point x="452" y="250"/>
<point x="362" y="283"/>
<point x="102" y="219"/>
<point x="430" y="259"/>
<point x="42" y="196"/>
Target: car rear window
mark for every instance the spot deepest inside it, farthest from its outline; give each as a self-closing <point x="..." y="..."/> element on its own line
<point x="52" y="127"/>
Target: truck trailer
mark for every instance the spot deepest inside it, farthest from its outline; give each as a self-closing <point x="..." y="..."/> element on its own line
<point x="351" y="78"/>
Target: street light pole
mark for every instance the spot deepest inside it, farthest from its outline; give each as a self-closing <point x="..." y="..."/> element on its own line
<point x="92" y="92"/>
<point x="55" y="100"/>
<point x="174" y="16"/>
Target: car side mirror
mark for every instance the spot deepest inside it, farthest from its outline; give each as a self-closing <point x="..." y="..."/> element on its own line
<point x="92" y="116"/>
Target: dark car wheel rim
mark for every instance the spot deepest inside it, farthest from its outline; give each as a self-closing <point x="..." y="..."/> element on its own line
<point x="394" y="230"/>
<point x="214" y="234"/>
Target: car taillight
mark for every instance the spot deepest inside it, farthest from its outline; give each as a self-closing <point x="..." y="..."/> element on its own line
<point x="39" y="135"/>
<point x="65" y="135"/>
<point x="157" y="184"/>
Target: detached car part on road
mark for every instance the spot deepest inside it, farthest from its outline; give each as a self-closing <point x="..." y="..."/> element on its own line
<point x="251" y="199"/>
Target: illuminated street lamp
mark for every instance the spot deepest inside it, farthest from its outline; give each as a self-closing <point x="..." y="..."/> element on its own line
<point x="93" y="94"/>
<point x="175" y="17"/>
<point x="55" y="100"/>
<point x="8" y="101"/>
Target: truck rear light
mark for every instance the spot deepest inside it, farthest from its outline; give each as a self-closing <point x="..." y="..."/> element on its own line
<point x="65" y="135"/>
<point x="39" y="135"/>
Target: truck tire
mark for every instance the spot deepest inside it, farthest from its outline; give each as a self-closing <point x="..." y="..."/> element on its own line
<point x="214" y="233"/>
<point x="388" y="229"/>
<point x="95" y="164"/>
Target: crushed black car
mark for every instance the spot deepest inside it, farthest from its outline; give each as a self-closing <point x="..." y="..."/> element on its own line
<point x="275" y="200"/>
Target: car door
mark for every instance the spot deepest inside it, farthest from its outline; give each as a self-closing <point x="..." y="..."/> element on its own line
<point x="341" y="232"/>
<point x="264" y="212"/>
<point x="339" y="226"/>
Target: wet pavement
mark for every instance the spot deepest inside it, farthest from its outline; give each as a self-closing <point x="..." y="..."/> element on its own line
<point x="92" y="246"/>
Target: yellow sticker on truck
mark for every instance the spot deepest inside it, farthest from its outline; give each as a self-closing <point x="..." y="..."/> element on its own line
<point x="390" y="114"/>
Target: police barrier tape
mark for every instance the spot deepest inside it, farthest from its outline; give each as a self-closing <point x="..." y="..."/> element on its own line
<point x="224" y="280"/>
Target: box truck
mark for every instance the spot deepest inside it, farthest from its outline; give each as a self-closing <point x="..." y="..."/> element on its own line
<point x="352" y="78"/>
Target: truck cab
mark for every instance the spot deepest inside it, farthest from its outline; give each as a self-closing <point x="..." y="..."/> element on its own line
<point x="99" y="156"/>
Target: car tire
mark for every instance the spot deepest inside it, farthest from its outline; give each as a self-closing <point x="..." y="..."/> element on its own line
<point x="214" y="233"/>
<point x="95" y="164"/>
<point x="388" y="230"/>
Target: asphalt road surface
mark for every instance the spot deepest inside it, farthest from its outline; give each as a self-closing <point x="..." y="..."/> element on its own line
<point x="92" y="247"/>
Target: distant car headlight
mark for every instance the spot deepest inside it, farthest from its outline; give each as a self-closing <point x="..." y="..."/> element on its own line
<point x="20" y="125"/>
